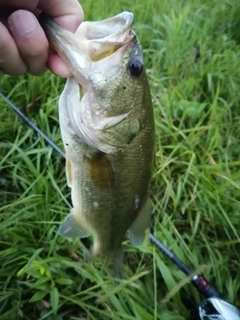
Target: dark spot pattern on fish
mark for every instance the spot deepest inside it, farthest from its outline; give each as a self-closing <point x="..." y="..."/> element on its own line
<point x="100" y="171"/>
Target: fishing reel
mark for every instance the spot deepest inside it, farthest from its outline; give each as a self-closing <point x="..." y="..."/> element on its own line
<point x="214" y="307"/>
<point x="218" y="309"/>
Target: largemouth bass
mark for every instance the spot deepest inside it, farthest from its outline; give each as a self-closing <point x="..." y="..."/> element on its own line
<point x="107" y="127"/>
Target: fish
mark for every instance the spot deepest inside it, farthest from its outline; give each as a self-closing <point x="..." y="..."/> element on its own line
<point x="107" y="128"/>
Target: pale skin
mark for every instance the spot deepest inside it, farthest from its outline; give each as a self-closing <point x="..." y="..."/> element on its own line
<point x="24" y="47"/>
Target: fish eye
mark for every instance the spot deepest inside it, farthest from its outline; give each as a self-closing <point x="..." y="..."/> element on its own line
<point x="135" y="67"/>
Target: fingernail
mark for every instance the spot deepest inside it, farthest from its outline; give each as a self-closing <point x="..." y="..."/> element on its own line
<point x="22" y="22"/>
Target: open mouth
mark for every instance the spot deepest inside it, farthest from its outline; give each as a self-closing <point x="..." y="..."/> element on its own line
<point x="93" y="40"/>
<point x="108" y="29"/>
<point x="95" y="47"/>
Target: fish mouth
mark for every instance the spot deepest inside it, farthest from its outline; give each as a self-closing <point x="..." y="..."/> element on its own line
<point x="92" y="42"/>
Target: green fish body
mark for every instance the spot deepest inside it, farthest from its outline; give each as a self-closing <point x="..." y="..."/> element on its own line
<point x="107" y="127"/>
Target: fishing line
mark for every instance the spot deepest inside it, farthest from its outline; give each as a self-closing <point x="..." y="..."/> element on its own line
<point x="32" y="125"/>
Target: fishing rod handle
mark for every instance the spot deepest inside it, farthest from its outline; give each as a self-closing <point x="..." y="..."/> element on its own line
<point x="205" y="288"/>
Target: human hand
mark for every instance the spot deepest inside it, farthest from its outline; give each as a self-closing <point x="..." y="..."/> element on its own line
<point x="23" y="44"/>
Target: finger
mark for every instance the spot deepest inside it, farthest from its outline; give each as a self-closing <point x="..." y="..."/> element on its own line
<point x="9" y="6"/>
<point x="10" y="60"/>
<point x="69" y="14"/>
<point x="57" y="65"/>
<point x="30" y="39"/>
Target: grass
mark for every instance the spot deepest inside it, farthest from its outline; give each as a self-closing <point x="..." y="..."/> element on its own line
<point x="191" y="50"/>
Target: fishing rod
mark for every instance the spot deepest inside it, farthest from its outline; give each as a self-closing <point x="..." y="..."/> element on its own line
<point x="214" y="307"/>
<point x="32" y="125"/>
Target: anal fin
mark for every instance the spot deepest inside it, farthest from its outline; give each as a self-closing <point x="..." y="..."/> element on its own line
<point x="72" y="228"/>
<point x="136" y="232"/>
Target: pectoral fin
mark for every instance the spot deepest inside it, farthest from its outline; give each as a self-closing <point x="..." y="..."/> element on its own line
<point x="137" y="230"/>
<point x="72" y="228"/>
<point x="124" y="133"/>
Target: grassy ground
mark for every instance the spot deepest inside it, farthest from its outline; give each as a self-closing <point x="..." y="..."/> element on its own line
<point x="192" y="54"/>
